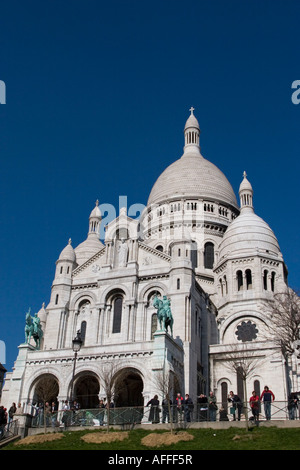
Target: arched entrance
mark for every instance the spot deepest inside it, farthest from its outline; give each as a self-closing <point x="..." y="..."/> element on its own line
<point x="86" y="390"/>
<point x="46" y="389"/>
<point x="129" y="387"/>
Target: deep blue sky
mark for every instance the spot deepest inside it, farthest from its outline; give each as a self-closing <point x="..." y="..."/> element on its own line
<point x="97" y="97"/>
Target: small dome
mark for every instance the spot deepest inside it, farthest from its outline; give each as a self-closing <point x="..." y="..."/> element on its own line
<point x="192" y="121"/>
<point x="245" y="184"/>
<point x="42" y="314"/>
<point x="87" y="249"/>
<point x="96" y="211"/>
<point x="68" y="253"/>
<point x="246" y="235"/>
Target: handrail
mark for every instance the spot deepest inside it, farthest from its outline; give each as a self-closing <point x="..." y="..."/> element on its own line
<point x="158" y="414"/>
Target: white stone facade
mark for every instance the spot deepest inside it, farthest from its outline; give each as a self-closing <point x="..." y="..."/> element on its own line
<point x="218" y="263"/>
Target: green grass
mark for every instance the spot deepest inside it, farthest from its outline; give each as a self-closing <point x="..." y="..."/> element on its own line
<point x="264" y="438"/>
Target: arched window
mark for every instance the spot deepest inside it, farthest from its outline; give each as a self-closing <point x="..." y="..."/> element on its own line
<point x="209" y="254"/>
<point x="239" y="277"/>
<point x="83" y="331"/>
<point x="265" y="279"/>
<point x="248" y="279"/>
<point x="153" y="324"/>
<point x="117" y="319"/>
<point x="224" y="395"/>
<point x="239" y="382"/>
<point x="160" y="248"/>
<point x="273" y="274"/>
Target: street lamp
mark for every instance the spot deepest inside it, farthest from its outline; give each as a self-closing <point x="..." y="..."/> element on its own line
<point x="76" y="344"/>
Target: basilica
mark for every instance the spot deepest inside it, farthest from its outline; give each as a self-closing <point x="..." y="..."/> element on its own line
<point x="209" y="255"/>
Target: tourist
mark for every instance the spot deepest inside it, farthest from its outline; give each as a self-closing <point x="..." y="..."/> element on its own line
<point x="3" y="421"/>
<point x="235" y="404"/>
<point x="188" y="408"/>
<point x="202" y="407"/>
<point x="212" y="406"/>
<point x="166" y="407"/>
<point x="11" y="413"/>
<point x="101" y="413"/>
<point x="254" y="405"/>
<point x="267" y="397"/>
<point x="179" y="406"/>
<point x="154" y="410"/>
<point x="292" y="405"/>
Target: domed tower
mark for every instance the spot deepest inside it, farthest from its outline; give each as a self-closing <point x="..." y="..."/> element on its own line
<point x="191" y="195"/>
<point x="250" y="262"/>
<point x="92" y="244"/>
<point x="63" y="275"/>
<point x="250" y="270"/>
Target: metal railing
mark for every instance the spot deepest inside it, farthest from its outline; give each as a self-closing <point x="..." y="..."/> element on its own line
<point x="143" y="415"/>
<point x="9" y="430"/>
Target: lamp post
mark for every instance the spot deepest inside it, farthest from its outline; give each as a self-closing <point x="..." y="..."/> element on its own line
<point x="76" y="344"/>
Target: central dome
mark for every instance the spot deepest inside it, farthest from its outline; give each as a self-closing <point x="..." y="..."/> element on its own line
<point x="192" y="176"/>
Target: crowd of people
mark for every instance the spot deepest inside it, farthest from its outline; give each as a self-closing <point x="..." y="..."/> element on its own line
<point x="206" y="408"/>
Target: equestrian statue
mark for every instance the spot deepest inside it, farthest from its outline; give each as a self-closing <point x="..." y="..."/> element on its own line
<point x="164" y="314"/>
<point x="33" y="329"/>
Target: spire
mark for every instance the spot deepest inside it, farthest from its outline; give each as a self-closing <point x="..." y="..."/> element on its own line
<point x="192" y="134"/>
<point x="94" y="221"/>
<point x="246" y="195"/>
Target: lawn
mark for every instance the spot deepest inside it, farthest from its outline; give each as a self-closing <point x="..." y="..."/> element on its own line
<point x="264" y="438"/>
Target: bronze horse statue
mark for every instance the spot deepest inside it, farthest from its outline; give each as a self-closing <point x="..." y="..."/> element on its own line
<point x="164" y="314"/>
<point x="33" y="329"/>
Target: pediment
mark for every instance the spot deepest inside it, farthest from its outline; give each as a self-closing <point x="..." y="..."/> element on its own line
<point x="92" y="266"/>
<point x="149" y="256"/>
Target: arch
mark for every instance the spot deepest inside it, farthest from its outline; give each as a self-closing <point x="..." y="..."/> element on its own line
<point x="86" y="389"/>
<point x="146" y="291"/>
<point x="129" y="386"/>
<point x="225" y="325"/>
<point x="159" y="248"/>
<point x="83" y="296"/>
<point x="45" y="388"/>
<point x="110" y="291"/>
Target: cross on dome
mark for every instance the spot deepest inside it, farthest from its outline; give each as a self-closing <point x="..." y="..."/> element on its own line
<point x="192" y="110"/>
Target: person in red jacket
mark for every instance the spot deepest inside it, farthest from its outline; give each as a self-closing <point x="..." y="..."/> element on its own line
<point x="254" y="405"/>
<point x="267" y="397"/>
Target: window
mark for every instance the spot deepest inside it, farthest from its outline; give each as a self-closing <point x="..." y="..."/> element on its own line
<point x="56" y="299"/>
<point x="118" y="305"/>
<point x="178" y="284"/>
<point x="153" y="324"/>
<point x="159" y="248"/>
<point x="83" y="331"/>
<point x="265" y="280"/>
<point x="273" y="281"/>
<point x="209" y="255"/>
<point x="239" y="277"/>
<point x="248" y="279"/>
<point x="224" y="395"/>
